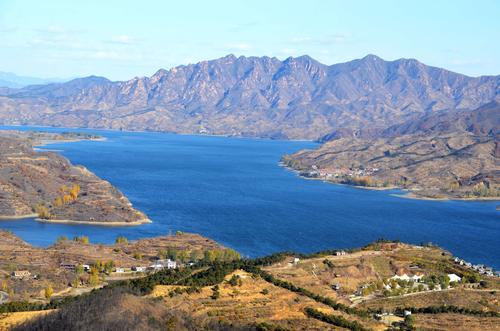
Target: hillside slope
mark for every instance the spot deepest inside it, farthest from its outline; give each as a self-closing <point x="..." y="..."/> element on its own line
<point x="457" y="165"/>
<point x="47" y="184"/>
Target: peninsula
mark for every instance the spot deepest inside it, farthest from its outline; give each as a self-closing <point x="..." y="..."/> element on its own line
<point x="47" y="186"/>
<point x="454" y="166"/>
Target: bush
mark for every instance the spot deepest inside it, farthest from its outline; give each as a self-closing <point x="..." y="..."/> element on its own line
<point x="121" y="240"/>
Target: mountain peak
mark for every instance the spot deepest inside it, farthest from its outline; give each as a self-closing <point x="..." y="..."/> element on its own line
<point x="371" y="58"/>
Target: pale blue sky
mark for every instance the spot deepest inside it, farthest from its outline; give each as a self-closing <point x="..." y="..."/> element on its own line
<point x="122" y="39"/>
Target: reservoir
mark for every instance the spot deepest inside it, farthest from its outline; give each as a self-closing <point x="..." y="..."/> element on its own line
<point x="234" y="191"/>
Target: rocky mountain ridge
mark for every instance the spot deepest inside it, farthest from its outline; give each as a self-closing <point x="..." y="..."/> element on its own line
<point x="256" y="96"/>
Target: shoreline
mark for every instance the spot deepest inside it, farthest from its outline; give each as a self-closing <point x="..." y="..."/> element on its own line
<point x="157" y="131"/>
<point x="43" y="143"/>
<point x="409" y="194"/>
<point x="413" y="195"/>
<point x="138" y="222"/>
<point x="17" y="217"/>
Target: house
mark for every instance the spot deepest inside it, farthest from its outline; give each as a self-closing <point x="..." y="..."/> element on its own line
<point x="296" y="260"/>
<point x="340" y="253"/>
<point x="21" y="274"/>
<point x="170" y="264"/>
<point x="86" y="267"/>
<point x="139" y="269"/>
<point x="156" y="266"/>
<point x="336" y="287"/>
<point x="454" y="278"/>
<point x="402" y="277"/>
<point x="416" y="278"/>
<point x="161" y="264"/>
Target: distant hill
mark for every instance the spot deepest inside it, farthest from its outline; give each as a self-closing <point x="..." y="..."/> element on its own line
<point x="11" y="80"/>
<point x="484" y="120"/>
<point x="257" y="96"/>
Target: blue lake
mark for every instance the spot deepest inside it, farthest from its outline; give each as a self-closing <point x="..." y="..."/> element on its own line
<point x="234" y="191"/>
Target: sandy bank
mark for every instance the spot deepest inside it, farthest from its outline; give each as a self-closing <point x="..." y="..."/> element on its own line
<point x="17" y="217"/>
<point x="139" y="222"/>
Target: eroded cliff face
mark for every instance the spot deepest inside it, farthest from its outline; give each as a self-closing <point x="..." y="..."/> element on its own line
<point x="47" y="184"/>
<point x="256" y="96"/>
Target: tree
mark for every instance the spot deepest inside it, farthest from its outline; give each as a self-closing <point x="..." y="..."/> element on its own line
<point x="444" y="281"/>
<point x="121" y="240"/>
<point x="162" y="254"/>
<point x="94" y="276"/>
<point x="48" y="292"/>
<point x="63" y="189"/>
<point x="82" y="239"/>
<point x="109" y="266"/>
<point x="209" y="255"/>
<point x="76" y="282"/>
<point x="410" y="321"/>
<point x="61" y="239"/>
<point x="172" y="254"/>
<point x="58" y="202"/>
<point x="42" y="211"/>
<point x="75" y="190"/>
<point x="79" y="269"/>
<point x="196" y="255"/>
<point x="67" y="199"/>
<point x="215" y="293"/>
<point x="182" y="256"/>
<point x="234" y="280"/>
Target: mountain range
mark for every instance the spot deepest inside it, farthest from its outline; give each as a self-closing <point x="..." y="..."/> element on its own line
<point x="298" y="98"/>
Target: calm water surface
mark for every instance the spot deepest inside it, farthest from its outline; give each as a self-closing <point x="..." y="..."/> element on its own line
<point x="234" y="191"/>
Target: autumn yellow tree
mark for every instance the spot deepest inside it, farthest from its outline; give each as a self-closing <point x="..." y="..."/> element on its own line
<point x="48" y="292"/>
<point x="75" y="190"/>
<point x="121" y="240"/>
<point x="58" y="202"/>
<point x="67" y="199"/>
<point x="42" y="211"/>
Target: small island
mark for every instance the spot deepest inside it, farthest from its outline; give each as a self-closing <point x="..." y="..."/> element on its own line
<point x="47" y="186"/>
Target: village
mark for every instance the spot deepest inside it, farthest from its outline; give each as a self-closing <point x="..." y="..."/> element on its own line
<point x="481" y="268"/>
<point x="382" y="273"/>
<point x="71" y="267"/>
<point x="338" y="173"/>
<point x="110" y="269"/>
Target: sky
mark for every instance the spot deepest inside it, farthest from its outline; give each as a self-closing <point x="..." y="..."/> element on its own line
<point x="123" y="39"/>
